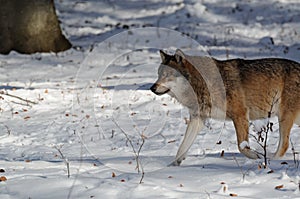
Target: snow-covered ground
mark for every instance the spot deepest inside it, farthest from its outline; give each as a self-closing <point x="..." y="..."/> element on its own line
<point x="91" y="112"/>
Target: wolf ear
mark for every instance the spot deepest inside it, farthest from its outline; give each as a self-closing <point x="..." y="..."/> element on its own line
<point x="179" y="55"/>
<point x="163" y="56"/>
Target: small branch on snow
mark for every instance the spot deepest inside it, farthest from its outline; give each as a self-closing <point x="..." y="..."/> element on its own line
<point x="139" y="166"/>
<point x="65" y="160"/>
<point x="19" y="98"/>
<point x="296" y="156"/>
<point x="8" y="129"/>
<point x="262" y="141"/>
<point x="131" y="144"/>
<point x="244" y="173"/>
<point x="143" y="173"/>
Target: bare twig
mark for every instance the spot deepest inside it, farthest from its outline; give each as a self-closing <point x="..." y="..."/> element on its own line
<point x="17" y="97"/>
<point x="8" y="129"/>
<point x="65" y="160"/>
<point x="142" y="168"/>
<point x="208" y="194"/>
<point x="139" y="166"/>
<point x="262" y="141"/>
<point x="20" y="103"/>
<point x="296" y="159"/>
<point x="131" y="144"/>
<point x="142" y="178"/>
<point x="244" y="173"/>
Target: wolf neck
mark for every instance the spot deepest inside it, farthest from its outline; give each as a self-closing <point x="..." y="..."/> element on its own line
<point x="196" y="71"/>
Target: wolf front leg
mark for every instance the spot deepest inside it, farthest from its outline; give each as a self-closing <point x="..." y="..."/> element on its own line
<point x="242" y="127"/>
<point x="194" y="127"/>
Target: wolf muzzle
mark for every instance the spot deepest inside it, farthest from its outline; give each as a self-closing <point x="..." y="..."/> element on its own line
<point x="158" y="89"/>
<point x="154" y="88"/>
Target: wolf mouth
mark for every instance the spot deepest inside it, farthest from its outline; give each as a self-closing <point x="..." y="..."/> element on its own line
<point x="154" y="89"/>
<point x="161" y="93"/>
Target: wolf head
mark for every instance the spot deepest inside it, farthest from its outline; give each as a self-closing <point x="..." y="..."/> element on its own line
<point x="172" y="82"/>
<point x="195" y="81"/>
<point x="169" y="79"/>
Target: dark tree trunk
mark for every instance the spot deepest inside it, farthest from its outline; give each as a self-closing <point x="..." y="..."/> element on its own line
<point x="30" y="26"/>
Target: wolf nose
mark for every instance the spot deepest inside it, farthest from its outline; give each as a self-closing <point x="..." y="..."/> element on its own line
<point x="153" y="88"/>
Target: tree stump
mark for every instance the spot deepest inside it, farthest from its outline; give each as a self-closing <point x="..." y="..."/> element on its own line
<point x="30" y="26"/>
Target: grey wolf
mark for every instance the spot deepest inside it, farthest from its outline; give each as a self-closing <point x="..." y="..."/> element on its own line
<point x="241" y="90"/>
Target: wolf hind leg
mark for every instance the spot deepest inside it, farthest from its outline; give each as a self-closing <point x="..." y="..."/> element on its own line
<point x="298" y="119"/>
<point x="286" y="121"/>
<point x="194" y="127"/>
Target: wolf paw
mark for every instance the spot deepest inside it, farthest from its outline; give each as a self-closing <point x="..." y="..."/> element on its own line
<point x="249" y="153"/>
<point x="175" y="163"/>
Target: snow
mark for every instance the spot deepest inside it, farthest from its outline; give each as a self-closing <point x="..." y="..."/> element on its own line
<point x="89" y="98"/>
